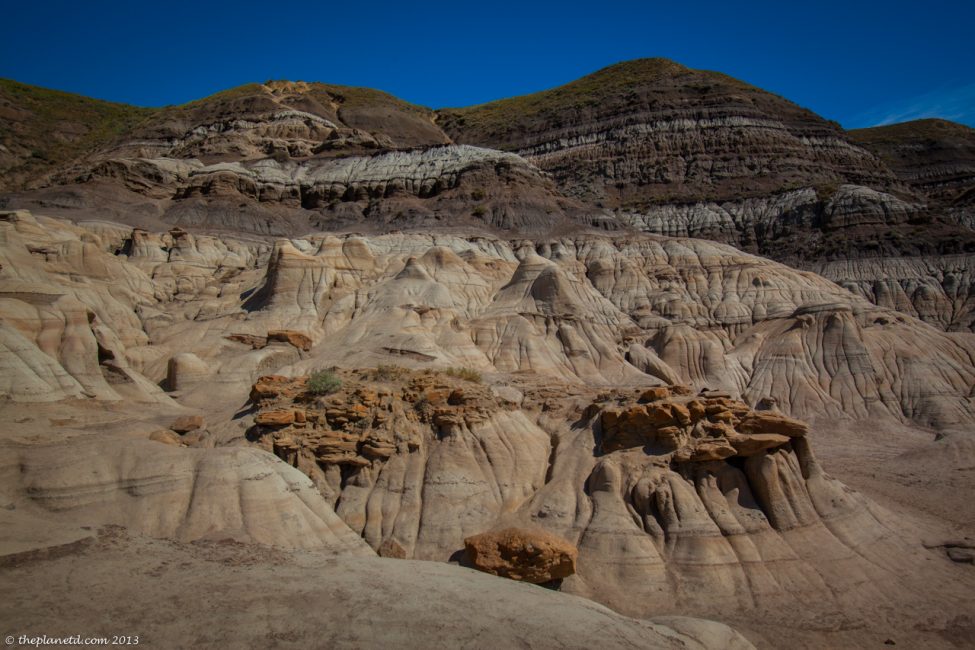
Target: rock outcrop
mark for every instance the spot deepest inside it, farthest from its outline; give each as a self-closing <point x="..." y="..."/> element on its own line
<point x="283" y="158"/>
<point x="316" y="324"/>
<point x="695" y="428"/>
<point x="602" y="388"/>
<point x="391" y="442"/>
<point x="647" y="144"/>
<point x="525" y="555"/>
<point x="652" y="130"/>
<point x="602" y="309"/>
<point x="686" y="152"/>
<point x="660" y="489"/>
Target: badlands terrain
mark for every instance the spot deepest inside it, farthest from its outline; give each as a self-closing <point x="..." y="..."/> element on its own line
<point x="652" y="360"/>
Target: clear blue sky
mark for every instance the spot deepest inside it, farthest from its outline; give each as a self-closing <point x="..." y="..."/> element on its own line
<point x="860" y="63"/>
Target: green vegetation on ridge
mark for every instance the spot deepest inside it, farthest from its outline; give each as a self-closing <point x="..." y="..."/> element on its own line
<point x="47" y="128"/>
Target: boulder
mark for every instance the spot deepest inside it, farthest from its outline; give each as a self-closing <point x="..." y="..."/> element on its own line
<point x="681" y="413"/>
<point x="625" y="429"/>
<point x="527" y="555"/>
<point x="670" y="437"/>
<point x="199" y="438"/>
<point x="723" y="416"/>
<point x="696" y="409"/>
<point x="660" y="415"/>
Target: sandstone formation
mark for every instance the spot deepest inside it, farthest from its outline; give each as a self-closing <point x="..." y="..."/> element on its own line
<point x="648" y="144"/>
<point x="695" y="429"/>
<point x="661" y="489"/>
<point x="603" y="309"/>
<point x="184" y="370"/>
<point x="187" y="423"/>
<point x="277" y="158"/>
<point x="291" y="337"/>
<point x="694" y="153"/>
<point x="526" y="555"/>
<point x="291" y="327"/>
<point x="378" y="451"/>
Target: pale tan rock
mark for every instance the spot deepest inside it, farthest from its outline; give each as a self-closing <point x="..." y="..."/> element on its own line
<point x="166" y="437"/>
<point x="177" y="493"/>
<point x="187" y="423"/>
<point x="27" y="374"/>
<point x="392" y="548"/>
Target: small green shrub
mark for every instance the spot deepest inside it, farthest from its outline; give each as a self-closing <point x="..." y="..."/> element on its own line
<point x="478" y="194"/>
<point x="323" y="382"/>
<point x="467" y="374"/>
<point x="479" y="211"/>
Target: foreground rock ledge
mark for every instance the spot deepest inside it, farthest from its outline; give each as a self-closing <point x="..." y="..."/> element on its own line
<point x="520" y="554"/>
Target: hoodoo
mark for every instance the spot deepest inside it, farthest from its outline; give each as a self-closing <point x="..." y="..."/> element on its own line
<point x="653" y="359"/>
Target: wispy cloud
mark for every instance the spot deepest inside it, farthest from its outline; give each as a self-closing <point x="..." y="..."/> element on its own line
<point x="956" y="103"/>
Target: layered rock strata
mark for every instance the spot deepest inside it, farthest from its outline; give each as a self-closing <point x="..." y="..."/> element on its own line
<point x="652" y="130"/>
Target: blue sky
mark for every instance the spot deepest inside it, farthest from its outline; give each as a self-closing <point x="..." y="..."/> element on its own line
<point x="859" y="63"/>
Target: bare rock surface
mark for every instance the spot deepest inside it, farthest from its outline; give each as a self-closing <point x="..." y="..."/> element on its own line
<point x="262" y="338"/>
<point x="602" y="309"/>
<point x="695" y="153"/>
<point x="279" y="158"/>
<point x="168" y="491"/>
<point x="460" y="607"/>
<point x="661" y="490"/>
<point x="648" y="144"/>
